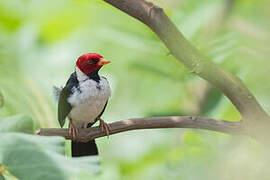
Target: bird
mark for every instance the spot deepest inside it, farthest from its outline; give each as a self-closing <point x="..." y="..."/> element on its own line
<point x="83" y="100"/>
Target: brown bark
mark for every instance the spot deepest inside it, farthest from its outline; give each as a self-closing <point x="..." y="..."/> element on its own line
<point x="150" y="123"/>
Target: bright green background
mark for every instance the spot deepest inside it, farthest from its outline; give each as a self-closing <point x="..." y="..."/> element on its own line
<point x="39" y="44"/>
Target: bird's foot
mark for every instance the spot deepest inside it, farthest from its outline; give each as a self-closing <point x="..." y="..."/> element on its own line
<point x="104" y="127"/>
<point x="73" y="131"/>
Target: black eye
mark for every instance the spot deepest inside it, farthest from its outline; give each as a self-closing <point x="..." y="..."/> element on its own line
<point x="91" y="61"/>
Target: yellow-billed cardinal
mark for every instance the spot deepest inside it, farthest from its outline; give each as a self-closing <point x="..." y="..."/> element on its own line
<point x="83" y="100"/>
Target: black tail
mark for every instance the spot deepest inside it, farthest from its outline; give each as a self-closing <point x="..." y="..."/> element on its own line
<point x="84" y="149"/>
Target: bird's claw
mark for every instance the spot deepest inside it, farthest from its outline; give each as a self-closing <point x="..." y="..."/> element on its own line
<point x="73" y="131"/>
<point x="104" y="127"/>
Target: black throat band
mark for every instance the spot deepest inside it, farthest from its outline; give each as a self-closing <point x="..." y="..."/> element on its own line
<point x="94" y="75"/>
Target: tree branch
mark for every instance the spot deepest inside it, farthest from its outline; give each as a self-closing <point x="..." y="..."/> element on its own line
<point x="155" y="18"/>
<point x="254" y="118"/>
<point x="150" y="123"/>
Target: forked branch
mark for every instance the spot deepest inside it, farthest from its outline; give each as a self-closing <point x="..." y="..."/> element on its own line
<point x="155" y="18"/>
<point x="254" y="118"/>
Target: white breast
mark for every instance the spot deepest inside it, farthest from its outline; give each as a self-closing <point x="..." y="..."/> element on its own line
<point x="88" y="101"/>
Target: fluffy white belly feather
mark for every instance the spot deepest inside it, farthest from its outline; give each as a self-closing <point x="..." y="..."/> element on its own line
<point x="88" y="101"/>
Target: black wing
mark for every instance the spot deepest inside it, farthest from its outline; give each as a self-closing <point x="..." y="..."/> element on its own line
<point x="103" y="110"/>
<point x="105" y="104"/>
<point x="64" y="107"/>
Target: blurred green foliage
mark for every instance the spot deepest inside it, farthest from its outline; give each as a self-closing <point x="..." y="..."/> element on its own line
<point x="40" y="41"/>
<point x="25" y="156"/>
<point x="1" y="100"/>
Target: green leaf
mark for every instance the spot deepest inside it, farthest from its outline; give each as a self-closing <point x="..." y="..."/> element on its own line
<point x="34" y="157"/>
<point x="18" y="123"/>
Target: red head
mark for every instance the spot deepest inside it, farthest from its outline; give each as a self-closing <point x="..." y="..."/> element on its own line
<point x="90" y="62"/>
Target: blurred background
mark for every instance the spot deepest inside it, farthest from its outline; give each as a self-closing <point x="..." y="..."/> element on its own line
<point x="41" y="40"/>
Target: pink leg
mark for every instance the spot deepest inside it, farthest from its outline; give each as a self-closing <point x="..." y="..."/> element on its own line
<point x="73" y="131"/>
<point x="104" y="127"/>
